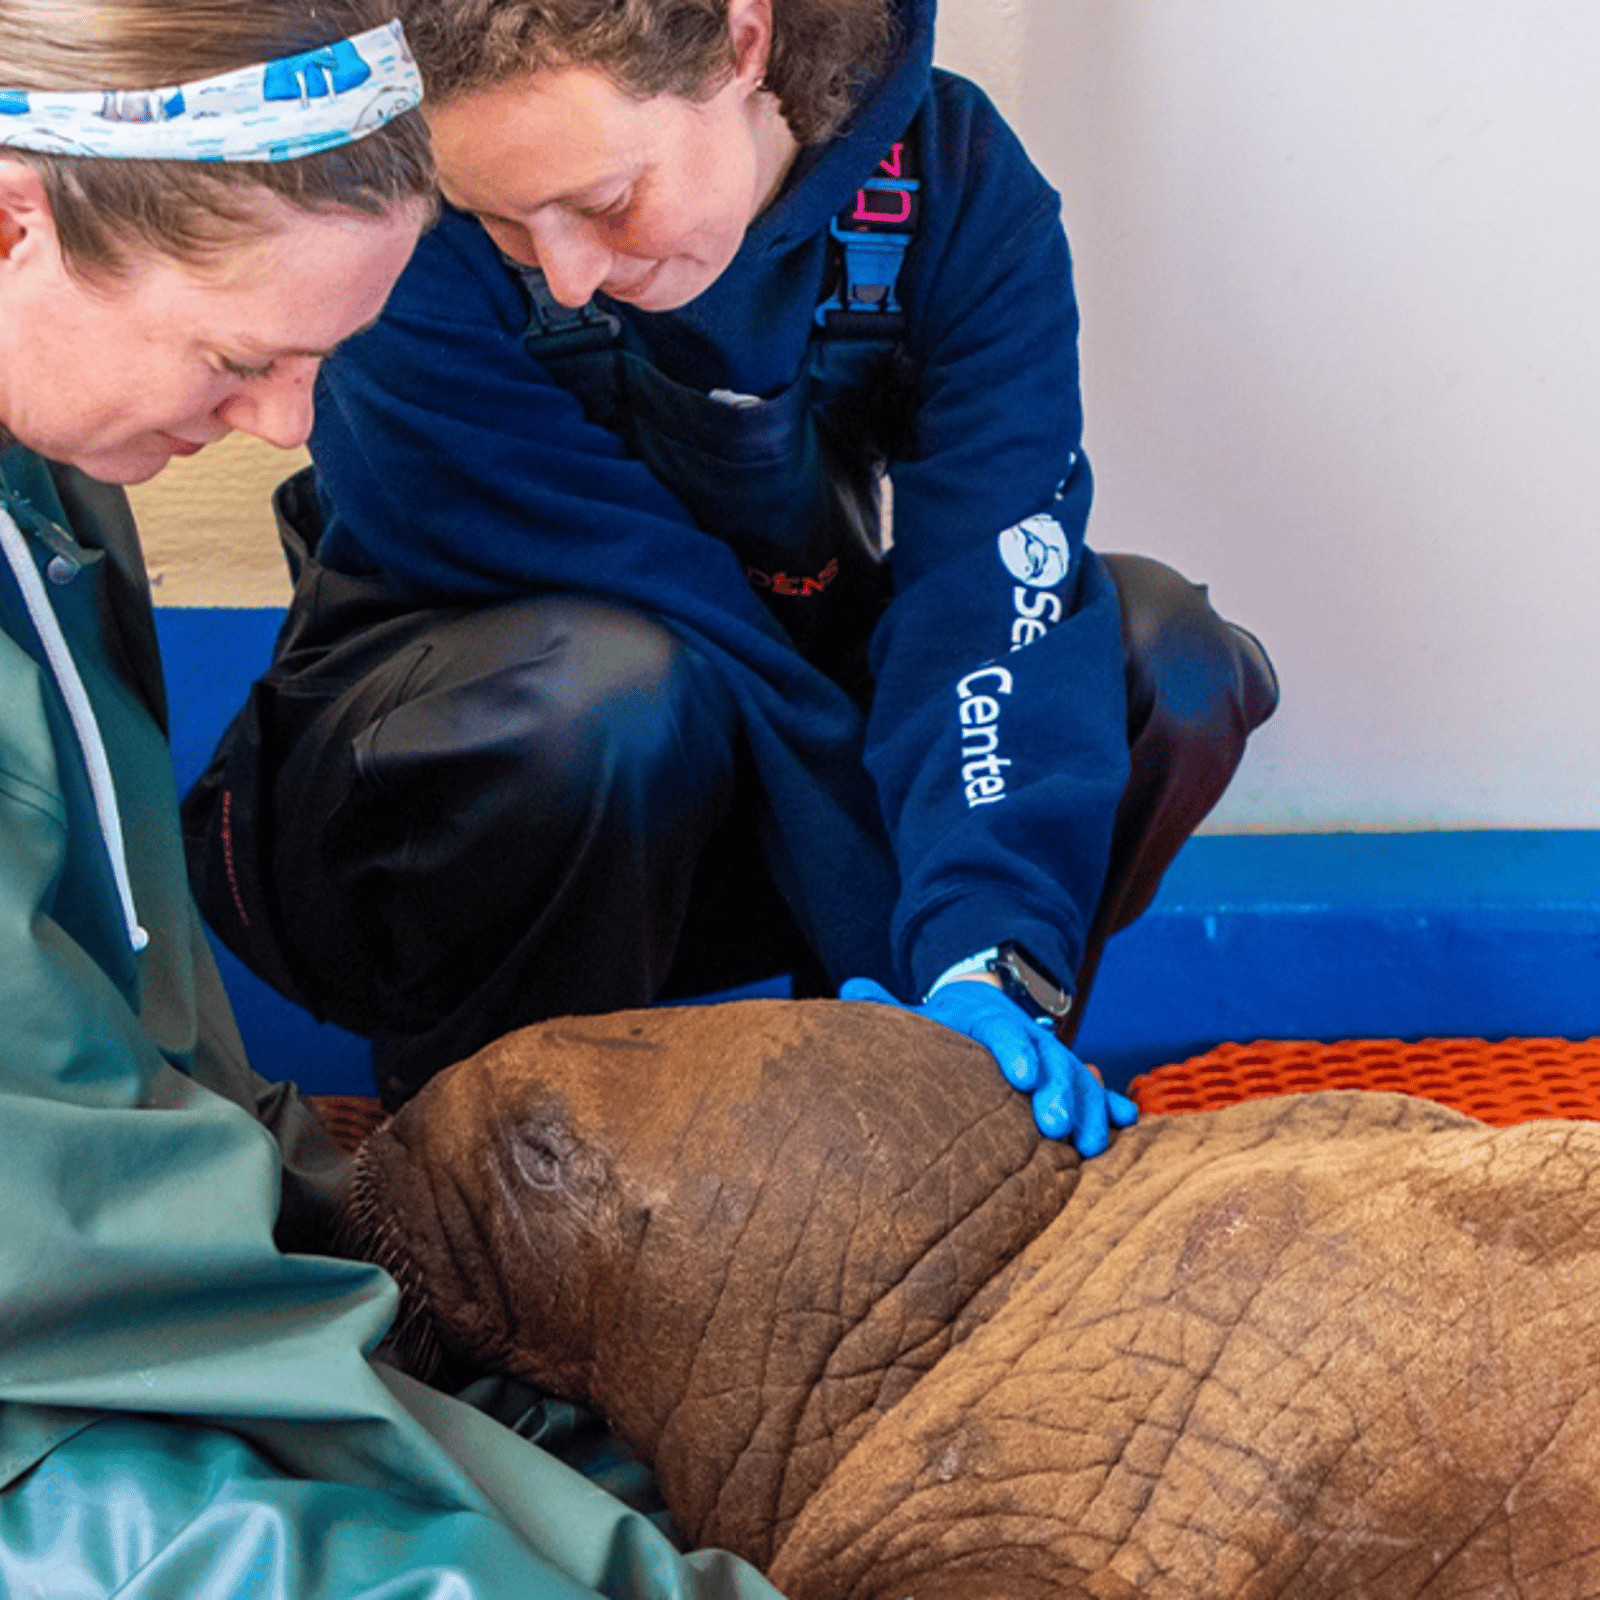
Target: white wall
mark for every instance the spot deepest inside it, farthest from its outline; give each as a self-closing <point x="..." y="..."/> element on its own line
<point x="1339" y="265"/>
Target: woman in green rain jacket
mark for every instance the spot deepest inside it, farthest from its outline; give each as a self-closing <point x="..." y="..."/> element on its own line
<point x="187" y="1404"/>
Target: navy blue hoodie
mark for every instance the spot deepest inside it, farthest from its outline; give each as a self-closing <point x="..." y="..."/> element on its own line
<point x="974" y="802"/>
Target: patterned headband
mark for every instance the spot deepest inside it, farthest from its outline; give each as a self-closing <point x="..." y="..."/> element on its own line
<point x="273" y="111"/>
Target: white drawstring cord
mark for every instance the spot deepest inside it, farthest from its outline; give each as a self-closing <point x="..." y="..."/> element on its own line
<point x="82" y="713"/>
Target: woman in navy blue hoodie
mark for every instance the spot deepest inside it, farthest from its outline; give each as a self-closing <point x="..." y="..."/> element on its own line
<point x="607" y="678"/>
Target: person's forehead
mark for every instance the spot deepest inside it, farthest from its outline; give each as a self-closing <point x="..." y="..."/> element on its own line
<point x="299" y="289"/>
<point x="541" y="138"/>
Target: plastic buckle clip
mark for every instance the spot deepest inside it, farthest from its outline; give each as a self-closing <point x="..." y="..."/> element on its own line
<point x="554" y="329"/>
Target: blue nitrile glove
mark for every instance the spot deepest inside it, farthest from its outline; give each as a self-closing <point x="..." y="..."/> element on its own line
<point x="1069" y="1101"/>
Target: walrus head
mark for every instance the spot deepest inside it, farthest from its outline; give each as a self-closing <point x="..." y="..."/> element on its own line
<point x="494" y="1201"/>
<point x="739" y="1231"/>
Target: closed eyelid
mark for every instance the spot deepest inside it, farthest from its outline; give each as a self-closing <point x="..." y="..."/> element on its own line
<point x="236" y="367"/>
<point x="493" y="219"/>
<point x="260" y="366"/>
<point x="291" y="367"/>
<point x="607" y="208"/>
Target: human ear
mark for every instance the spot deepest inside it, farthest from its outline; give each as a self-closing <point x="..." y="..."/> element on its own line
<point x="750" y="28"/>
<point x="25" y="216"/>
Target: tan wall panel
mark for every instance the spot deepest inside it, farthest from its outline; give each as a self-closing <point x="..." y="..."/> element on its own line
<point x="206" y="522"/>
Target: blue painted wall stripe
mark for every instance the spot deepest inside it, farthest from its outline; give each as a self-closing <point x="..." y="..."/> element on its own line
<point x="1329" y="936"/>
<point x="1299" y="936"/>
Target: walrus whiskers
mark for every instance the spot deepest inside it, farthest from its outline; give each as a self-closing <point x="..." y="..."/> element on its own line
<point x="367" y="1233"/>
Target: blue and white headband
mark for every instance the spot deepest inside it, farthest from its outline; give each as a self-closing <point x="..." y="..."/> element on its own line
<point x="272" y="111"/>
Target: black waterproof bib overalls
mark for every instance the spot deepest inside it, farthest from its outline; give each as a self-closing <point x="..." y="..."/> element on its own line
<point x="434" y="825"/>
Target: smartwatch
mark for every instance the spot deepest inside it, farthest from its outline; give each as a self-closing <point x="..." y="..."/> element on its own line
<point x="1027" y="982"/>
<point x="1023" y="979"/>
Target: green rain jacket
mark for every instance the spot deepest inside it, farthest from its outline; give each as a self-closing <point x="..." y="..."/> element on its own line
<point x="187" y="1406"/>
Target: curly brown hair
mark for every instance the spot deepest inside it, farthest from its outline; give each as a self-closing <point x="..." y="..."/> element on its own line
<point x="109" y="211"/>
<point x="824" y="52"/>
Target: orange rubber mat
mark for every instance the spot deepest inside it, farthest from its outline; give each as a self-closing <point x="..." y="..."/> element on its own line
<point x="1513" y="1080"/>
<point x="350" y="1117"/>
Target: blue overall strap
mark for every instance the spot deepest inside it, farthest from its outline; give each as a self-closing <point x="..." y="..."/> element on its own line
<point x="871" y="236"/>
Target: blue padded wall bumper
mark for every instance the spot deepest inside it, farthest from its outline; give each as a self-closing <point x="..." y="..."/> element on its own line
<point x="1491" y="934"/>
<point x="1292" y="936"/>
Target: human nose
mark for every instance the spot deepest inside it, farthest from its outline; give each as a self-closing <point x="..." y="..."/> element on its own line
<point x="277" y="406"/>
<point x="574" y="261"/>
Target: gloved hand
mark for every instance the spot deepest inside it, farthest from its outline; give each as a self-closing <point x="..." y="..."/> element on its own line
<point x="1069" y="1101"/>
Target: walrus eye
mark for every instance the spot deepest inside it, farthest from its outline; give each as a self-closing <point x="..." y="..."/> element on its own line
<point x="541" y="1156"/>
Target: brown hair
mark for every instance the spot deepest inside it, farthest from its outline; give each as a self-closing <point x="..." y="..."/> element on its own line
<point x="824" y="52"/>
<point x="108" y="210"/>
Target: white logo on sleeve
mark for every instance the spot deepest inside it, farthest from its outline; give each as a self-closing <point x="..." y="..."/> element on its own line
<point x="983" y="768"/>
<point x="1036" y="551"/>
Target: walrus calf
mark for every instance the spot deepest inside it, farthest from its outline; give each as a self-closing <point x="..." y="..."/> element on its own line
<point x="814" y="1263"/>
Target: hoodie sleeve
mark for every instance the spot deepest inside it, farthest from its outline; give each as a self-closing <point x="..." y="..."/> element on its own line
<point x="997" y="739"/>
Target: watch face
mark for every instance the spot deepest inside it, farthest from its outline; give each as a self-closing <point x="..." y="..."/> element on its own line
<point x="1029" y="984"/>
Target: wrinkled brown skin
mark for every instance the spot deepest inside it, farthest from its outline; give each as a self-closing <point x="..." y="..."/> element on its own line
<point x="813" y="1262"/>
